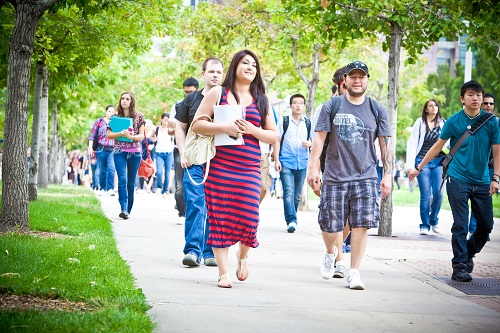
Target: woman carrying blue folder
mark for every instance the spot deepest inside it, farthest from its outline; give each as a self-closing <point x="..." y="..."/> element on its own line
<point x="127" y="129"/>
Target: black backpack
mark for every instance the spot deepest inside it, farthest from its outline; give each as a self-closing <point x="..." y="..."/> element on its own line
<point x="286" y="122"/>
<point x="335" y="105"/>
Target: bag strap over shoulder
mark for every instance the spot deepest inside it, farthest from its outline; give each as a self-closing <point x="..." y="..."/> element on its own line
<point x="470" y="131"/>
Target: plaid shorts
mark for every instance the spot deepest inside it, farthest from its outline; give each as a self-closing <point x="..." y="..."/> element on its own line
<point x="354" y="201"/>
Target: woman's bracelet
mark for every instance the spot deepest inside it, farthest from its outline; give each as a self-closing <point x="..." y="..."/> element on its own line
<point x="417" y="168"/>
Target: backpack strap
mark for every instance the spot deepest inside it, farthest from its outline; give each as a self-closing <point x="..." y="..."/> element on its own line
<point x="308" y="125"/>
<point x="286" y="122"/>
<point x="468" y="132"/>
<point x="374" y="108"/>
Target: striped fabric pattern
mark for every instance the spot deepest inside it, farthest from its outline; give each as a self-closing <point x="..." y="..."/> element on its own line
<point x="232" y="189"/>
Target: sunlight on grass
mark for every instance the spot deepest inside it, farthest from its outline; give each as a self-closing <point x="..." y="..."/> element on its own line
<point x="81" y="263"/>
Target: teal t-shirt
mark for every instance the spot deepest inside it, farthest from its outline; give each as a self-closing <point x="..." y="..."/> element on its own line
<point x="470" y="163"/>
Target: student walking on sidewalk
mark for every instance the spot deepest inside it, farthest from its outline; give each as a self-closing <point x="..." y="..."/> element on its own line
<point x="468" y="177"/>
<point x="127" y="155"/>
<point x="349" y="188"/>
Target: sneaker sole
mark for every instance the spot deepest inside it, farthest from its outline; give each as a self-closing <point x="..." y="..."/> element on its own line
<point x="461" y="280"/>
<point x="211" y="264"/>
<point x="357" y="287"/>
<point x="338" y="275"/>
<point x="190" y="262"/>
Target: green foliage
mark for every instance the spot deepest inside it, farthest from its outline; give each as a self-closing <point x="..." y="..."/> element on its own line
<point x="7" y="20"/>
<point x="442" y="83"/>
<point x="82" y="265"/>
<point x="486" y="72"/>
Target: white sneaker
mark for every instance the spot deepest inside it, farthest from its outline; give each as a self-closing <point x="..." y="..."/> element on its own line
<point x="339" y="270"/>
<point x="165" y="194"/>
<point x="328" y="264"/>
<point x="181" y="220"/>
<point x="435" y="229"/>
<point x="101" y="193"/>
<point x="111" y="193"/>
<point x="424" y="231"/>
<point x="354" y="280"/>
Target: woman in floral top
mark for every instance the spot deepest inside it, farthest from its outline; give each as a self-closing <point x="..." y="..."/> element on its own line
<point x="127" y="155"/>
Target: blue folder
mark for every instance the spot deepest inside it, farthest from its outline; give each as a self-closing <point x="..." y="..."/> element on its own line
<point x="119" y="124"/>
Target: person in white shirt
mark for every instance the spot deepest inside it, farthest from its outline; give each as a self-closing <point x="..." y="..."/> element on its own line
<point x="164" y="155"/>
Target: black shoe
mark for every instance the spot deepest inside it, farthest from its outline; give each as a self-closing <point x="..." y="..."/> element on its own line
<point x="124" y="215"/>
<point x="470" y="265"/>
<point x="460" y="273"/>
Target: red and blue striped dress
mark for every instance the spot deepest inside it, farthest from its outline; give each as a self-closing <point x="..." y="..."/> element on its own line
<point x="232" y="189"/>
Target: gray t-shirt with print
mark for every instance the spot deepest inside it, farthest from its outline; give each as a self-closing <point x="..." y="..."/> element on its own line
<point x="351" y="152"/>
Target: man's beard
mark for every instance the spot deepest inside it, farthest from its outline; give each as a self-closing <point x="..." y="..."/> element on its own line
<point x="355" y="94"/>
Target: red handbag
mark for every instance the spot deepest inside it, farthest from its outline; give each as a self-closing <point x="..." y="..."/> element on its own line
<point x="147" y="166"/>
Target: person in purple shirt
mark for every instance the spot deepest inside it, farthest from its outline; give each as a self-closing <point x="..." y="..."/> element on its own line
<point x="105" y="170"/>
<point x="127" y="155"/>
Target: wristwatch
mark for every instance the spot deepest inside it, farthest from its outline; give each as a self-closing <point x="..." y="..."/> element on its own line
<point x="417" y="168"/>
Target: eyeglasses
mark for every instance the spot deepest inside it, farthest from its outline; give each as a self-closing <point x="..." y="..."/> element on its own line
<point x="488" y="103"/>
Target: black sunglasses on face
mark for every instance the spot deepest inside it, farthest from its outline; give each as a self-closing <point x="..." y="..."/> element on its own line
<point x="488" y="103"/>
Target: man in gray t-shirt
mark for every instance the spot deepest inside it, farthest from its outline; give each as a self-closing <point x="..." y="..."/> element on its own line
<point x="349" y="188"/>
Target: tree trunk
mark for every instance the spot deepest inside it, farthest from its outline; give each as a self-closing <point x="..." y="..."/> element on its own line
<point x="56" y="164"/>
<point x="311" y="87"/>
<point x="385" y="227"/>
<point x="43" y="172"/>
<point x="15" y="204"/>
<point x="35" y="134"/>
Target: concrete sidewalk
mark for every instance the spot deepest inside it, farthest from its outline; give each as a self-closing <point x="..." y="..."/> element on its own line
<point x="407" y="278"/>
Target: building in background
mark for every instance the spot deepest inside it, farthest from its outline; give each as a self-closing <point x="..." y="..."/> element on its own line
<point x="446" y="52"/>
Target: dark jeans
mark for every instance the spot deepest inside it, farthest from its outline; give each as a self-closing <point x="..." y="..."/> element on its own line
<point x="179" y="188"/>
<point x="473" y="222"/>
<point x="459" y="194"/>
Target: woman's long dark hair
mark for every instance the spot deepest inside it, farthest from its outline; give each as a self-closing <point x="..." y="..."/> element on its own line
<point x="424" y="114"/>
<point x="257" y="87"/>
<point x="131" y="109"/>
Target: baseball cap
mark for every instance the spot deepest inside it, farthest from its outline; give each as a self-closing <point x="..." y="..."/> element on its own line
<point x="356" y="65"/>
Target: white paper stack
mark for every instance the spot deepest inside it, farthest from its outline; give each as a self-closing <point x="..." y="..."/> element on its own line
<point x="228" y="114"/>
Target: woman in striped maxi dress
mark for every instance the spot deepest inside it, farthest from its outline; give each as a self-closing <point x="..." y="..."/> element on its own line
<point x="232" y="188"/>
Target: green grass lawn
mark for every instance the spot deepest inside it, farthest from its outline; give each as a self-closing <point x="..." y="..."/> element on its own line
<point x="82" y="265"/>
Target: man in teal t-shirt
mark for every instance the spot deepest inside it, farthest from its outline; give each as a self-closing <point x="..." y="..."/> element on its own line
<point x="468" y="177"/>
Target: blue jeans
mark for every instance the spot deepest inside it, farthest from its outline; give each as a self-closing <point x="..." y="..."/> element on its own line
<point x="292" y="181"/>
<point x="163" y="166"/>
<point x="429" y="182"/>
<point x="459" y="193"/>
<point x="105" y="168"/>
<point x="126" y="165"/>
<point x="196" y="228"/>
<point x="95" y="176"/>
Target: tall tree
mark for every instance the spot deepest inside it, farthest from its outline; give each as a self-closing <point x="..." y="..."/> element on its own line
<point x="15" y="212"/>
<point x="403" y="23"/>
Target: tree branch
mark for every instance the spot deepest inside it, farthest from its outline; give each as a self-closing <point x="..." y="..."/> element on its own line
<point x="297" y="64"/>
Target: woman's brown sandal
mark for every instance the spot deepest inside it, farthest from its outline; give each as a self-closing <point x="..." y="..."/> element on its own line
<point x="242" y="267"/>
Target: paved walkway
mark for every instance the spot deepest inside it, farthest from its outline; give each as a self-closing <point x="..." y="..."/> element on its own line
<point x="406" y="277"/>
